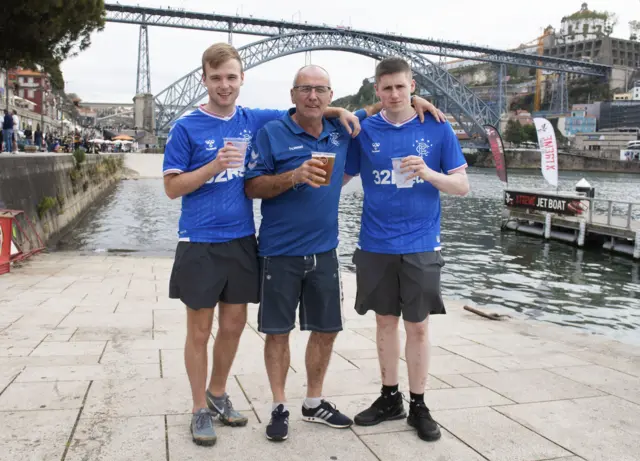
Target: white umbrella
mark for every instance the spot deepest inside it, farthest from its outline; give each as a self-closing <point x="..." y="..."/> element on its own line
<point x="97" y="141"/>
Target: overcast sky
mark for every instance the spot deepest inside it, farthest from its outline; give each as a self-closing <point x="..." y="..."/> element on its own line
<point x="106" y="72"/>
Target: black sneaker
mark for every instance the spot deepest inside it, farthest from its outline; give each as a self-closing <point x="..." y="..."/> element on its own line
<point x="278" y="427"/>
<point x="326" y="413"/>
<point x="420" y="418"/>
<point x="383" y="409"/>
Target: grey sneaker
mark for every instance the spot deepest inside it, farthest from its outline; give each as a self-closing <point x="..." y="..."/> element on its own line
<point x="224" y="409"/>
<point x="202" y="429"/>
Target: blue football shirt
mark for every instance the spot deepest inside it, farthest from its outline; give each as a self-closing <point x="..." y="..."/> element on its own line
<point x="405" y="220"/>
<point x="301" y="221"/>
<point x="219" y="211"/>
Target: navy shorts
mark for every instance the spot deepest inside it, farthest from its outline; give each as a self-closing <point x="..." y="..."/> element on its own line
<point x="311" y="281"/>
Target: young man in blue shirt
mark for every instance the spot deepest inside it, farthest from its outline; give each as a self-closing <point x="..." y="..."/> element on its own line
<point x="398" y="259"/>
<point x="216" y="258"/>
<point x="297" y="242"/>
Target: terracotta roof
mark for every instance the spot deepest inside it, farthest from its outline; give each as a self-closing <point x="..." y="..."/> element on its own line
<point x="22" y="73"/>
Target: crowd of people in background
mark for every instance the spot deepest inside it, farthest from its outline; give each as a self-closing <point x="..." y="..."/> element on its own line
<point x="14" y="139"/>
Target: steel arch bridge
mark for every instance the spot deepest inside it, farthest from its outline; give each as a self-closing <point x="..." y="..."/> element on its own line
<point x="469" y="110"/>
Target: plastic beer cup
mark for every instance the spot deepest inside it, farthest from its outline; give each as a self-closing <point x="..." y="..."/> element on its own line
<point x="328" y="160"/>
<point x="241" y="144"/>
<point x="401" y="178"/>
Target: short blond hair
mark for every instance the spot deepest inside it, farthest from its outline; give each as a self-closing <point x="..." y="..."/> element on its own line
<point x="219" y="53"/>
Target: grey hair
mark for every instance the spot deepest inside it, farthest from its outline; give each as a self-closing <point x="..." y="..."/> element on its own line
<point x="295" y="78"/>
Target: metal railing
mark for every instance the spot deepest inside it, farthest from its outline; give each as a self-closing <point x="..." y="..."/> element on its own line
<point x="614" y="209"/>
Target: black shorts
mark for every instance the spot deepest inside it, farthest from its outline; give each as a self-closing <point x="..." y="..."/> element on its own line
<point x="390" y="284"/>
<point x="311" y="281"/>
<point x="205" y="273"/>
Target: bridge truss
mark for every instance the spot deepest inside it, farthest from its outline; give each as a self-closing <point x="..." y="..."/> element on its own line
<point x="267" y="28"/>
<point x="287" y="38"/>
<point x="470" y="111"/>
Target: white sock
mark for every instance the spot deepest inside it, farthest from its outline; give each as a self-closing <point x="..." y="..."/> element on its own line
<point x="312" y="402"/>
<point x="274" y="405"/>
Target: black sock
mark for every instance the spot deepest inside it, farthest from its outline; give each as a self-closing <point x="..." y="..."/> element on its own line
<point x="389" y="391"/>
<point x="416" y="398"/>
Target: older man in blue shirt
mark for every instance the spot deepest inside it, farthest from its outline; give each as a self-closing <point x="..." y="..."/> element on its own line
<point x="297" y="242"/>
<point x="298" y="239"/>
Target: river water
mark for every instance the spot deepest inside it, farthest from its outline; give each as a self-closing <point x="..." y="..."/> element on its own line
<point x="550" y="281"/>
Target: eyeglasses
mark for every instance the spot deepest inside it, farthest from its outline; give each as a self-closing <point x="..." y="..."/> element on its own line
<point x="307" y="89"/>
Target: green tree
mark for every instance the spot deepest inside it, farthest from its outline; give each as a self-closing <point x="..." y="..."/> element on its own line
<point x="529" y="133"/>
<point x="514" y="132"/>
<point x="45" y="32"/>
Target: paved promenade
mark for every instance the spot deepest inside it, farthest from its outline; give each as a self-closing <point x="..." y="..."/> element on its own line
<point x="91" y="368"/>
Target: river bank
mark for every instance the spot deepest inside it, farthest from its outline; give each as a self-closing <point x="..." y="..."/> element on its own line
<point x="530" y="160"/>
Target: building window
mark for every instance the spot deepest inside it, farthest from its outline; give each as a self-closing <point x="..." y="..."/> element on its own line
<point x="32" y="93"/>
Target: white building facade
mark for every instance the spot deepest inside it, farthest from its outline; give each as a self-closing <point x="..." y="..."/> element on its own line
<point x="583" y="25"/>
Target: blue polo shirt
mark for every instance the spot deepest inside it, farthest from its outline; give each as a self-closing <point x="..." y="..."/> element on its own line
<point x="407" y="220"/>
<point x="218" y="211"/>
<point x="301" y="221"/>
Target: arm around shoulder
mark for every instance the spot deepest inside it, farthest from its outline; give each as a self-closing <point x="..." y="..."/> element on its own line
<point x="260" y="180"/>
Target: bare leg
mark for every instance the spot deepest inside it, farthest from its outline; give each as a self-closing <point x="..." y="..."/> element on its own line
<point x="317" y="358"/>
<point x="277" y="358"/>
<point x="231" y="321"/>
<point x="388" y="342"/>
<point x="195" y="353"/>
<point x="417" y="353"/>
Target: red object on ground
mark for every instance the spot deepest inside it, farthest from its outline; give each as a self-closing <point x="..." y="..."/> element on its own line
<point x="17" y="229"/>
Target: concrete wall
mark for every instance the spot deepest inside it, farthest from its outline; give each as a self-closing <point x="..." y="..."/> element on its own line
<point x="566" y="162"/>
<point x="25" y="180"/>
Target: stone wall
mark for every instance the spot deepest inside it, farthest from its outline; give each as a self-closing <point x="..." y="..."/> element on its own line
<point x="566" y="162"/>
<point x="52" y="191"/>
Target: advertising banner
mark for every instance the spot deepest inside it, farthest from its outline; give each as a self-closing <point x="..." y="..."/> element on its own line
<point x="546" y="203"/>
<point x="497" y="148"/>
<point x="548" y="150"/>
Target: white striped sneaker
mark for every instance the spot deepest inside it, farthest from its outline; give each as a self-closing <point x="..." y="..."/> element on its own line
<point x="326" y="413"/>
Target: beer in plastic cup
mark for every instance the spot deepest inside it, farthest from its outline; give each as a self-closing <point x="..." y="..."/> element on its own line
<point x="328" y="159"/>
<point x="241" y="144"/>
<point x="401" y="178"/>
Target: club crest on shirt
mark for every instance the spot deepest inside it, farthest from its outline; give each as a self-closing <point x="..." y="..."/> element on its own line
<point x="335" y="138"/>
<point x="422" y="147"/>
<point x="375" y="147"/>
<point x="247" y="135"/>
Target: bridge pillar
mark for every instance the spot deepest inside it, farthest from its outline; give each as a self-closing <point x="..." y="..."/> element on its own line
<point x="502" y="89"/>
<point x="144" y="112"/>
<point x="560" y="95"/>
<point x="143" y="78"/>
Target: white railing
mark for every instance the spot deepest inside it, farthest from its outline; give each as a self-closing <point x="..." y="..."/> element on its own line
<point x="614" y="209"/>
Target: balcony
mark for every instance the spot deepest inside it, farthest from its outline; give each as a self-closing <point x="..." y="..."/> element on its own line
<point x="29" y="85"/>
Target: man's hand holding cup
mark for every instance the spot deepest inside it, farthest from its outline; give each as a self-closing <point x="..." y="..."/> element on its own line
<point x="228" y="157"/>
<point x="416" y="167"/>
<point x="310" y="172"/>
